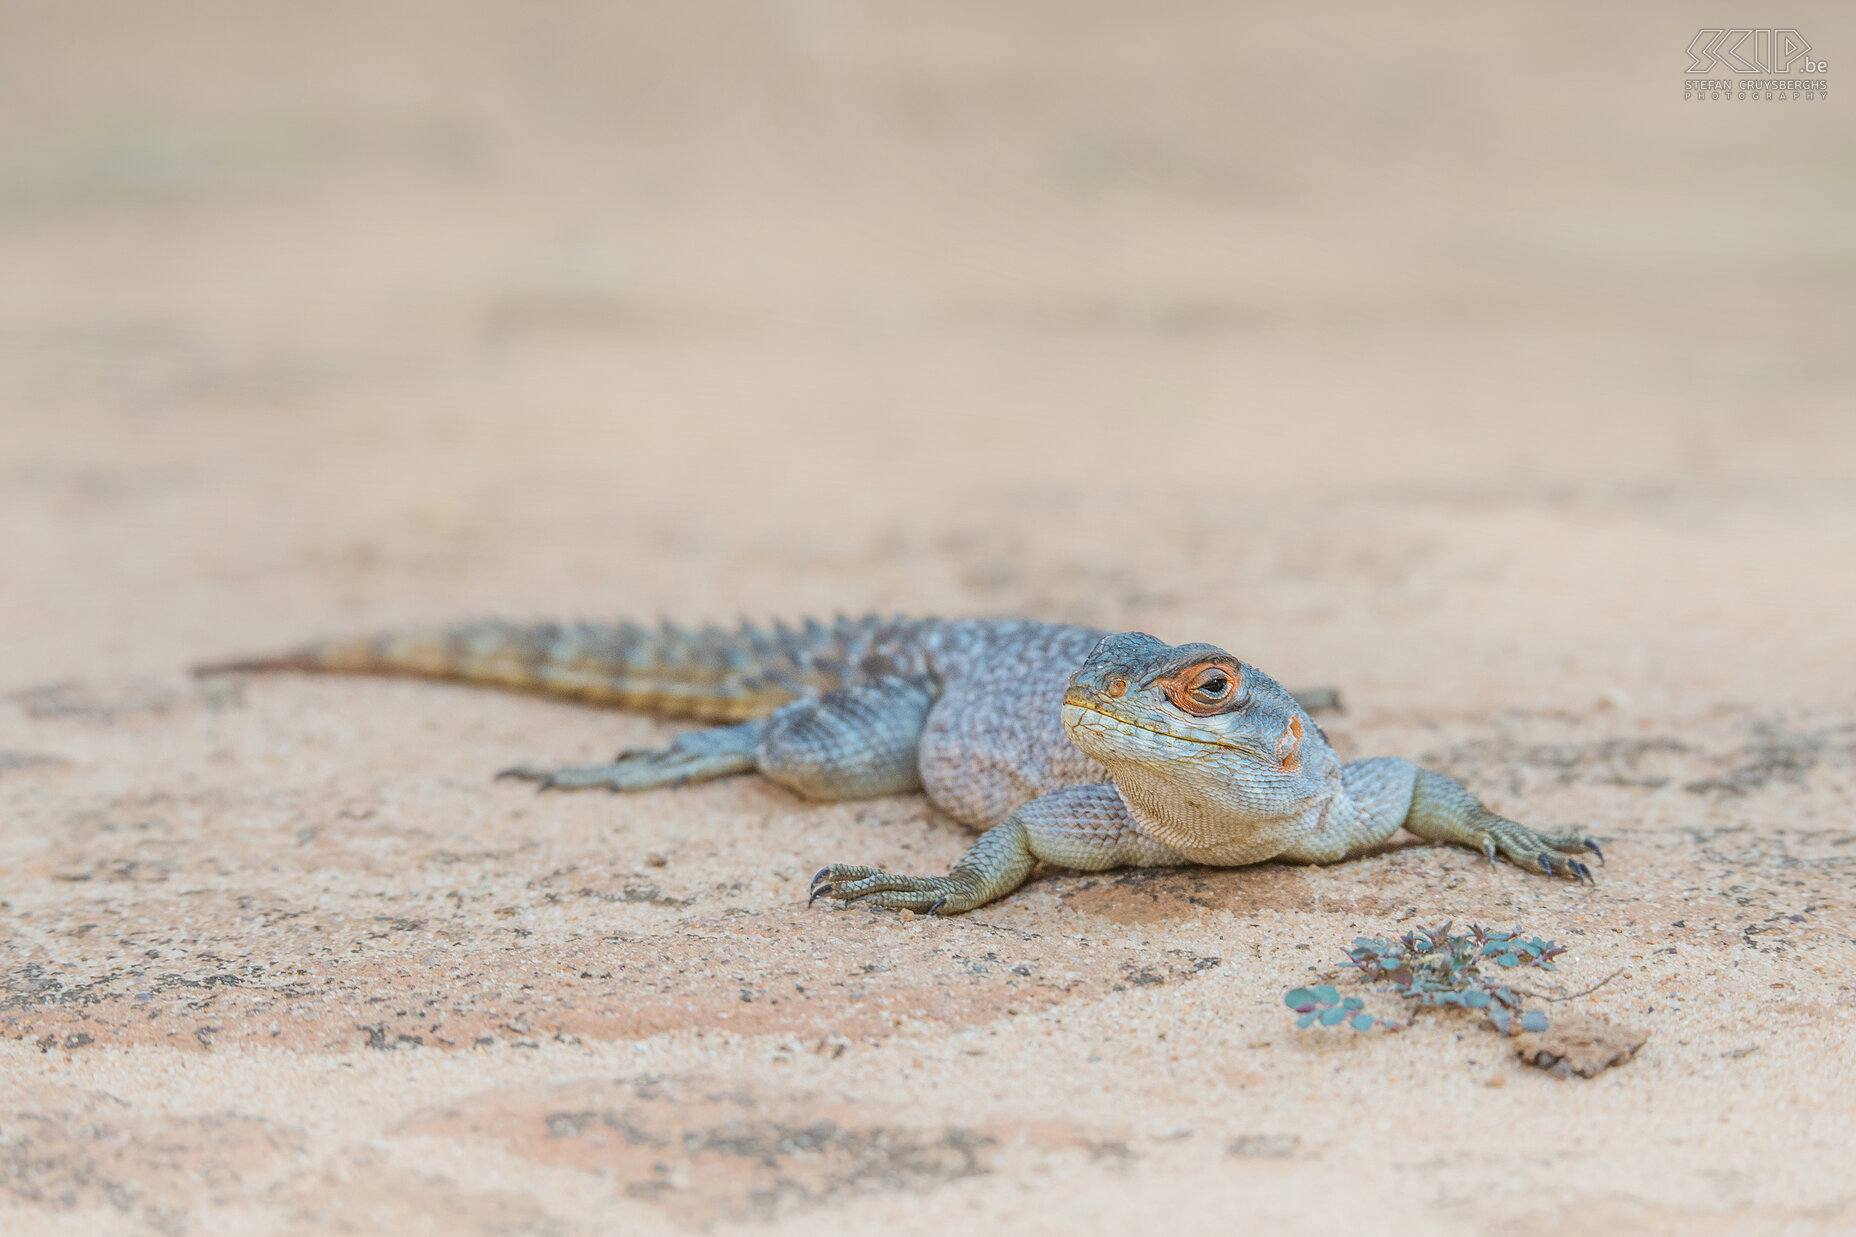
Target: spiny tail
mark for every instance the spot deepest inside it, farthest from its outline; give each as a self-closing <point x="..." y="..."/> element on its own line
<point x="711" y="674"/>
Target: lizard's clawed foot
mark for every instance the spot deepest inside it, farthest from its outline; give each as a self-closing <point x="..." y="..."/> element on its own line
<point x="690" y="759"/>
<point x="929" y="895"/>
<point x="1536" y="851"/>
<point x="693" y="757"/>
<point x="626" y="773"/>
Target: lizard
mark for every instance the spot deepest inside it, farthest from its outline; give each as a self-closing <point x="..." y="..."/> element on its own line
<point x="1065" y="744"/>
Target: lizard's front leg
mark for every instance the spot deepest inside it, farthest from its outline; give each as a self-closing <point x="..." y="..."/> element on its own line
<point x="1085" y="827"/>
<point x="1381" y="794"/>
<point x="1443" y="810"/>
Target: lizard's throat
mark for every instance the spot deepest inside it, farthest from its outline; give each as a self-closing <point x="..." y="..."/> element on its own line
<point x="1198" y="819"/>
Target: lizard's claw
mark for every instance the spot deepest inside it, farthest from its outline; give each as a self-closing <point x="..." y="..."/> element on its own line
<point x="1577" y="870"/>
<point x="928" y="895"/>
<point x="819" y="885"/>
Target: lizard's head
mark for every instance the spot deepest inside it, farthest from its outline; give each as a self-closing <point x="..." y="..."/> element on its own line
<point x="1190" y="732"/>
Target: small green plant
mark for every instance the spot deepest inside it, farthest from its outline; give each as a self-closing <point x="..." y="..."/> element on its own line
<point x="1325" y="1005"/>
<point x="1437" y="967"/>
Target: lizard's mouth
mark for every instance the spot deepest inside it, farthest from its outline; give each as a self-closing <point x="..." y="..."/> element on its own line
<point x="1081" y="710"/>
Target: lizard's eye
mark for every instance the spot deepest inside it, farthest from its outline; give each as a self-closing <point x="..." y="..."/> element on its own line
<point x="1204" y="690"/>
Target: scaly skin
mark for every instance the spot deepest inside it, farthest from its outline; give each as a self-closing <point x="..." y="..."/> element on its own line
<point x="1209" y="761"/>
<point x="966" y="710"/>
<point x="1083" y="749"/>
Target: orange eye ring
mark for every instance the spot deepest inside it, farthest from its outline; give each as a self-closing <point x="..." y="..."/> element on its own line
<point x="1205" y="689"/>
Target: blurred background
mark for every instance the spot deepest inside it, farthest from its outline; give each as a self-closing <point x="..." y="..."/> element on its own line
<point x="1443" y="352"/>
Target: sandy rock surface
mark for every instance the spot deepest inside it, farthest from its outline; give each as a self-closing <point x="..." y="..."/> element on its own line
<point x="1473" y="385"/>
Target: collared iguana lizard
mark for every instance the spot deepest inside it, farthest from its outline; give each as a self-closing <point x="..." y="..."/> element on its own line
<point x="1081" y="748"/>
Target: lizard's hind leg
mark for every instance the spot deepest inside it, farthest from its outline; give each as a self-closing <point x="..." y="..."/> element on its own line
<point x="695" y="757"/>
<point x="851" y="744"/>
<point x="856" y="743"/>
